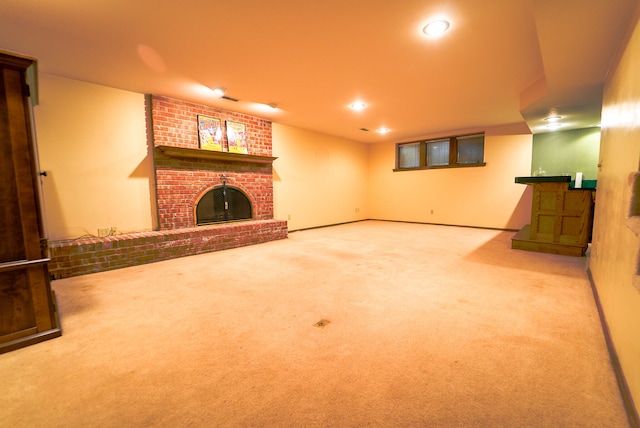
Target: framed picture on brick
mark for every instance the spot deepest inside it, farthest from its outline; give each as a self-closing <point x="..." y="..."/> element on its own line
<point x="237" y="137"/>
<point x="209" y="133"/>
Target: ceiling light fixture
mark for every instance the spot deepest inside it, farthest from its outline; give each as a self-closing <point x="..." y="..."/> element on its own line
<point x="219" y="92"/>
<point x="554" y="126"/>
<point x="553" y="118"/>
<point x="382" y="130"/>
<point x="357" y="106"/>
<point x="436" y="28"/>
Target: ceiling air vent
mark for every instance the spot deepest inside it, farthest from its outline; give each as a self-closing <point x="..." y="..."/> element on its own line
<point x="364" y="129"/>
<point x="235" y="100"/>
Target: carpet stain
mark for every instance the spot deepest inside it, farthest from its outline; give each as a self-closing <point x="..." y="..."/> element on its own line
<point x="322" y="323"/>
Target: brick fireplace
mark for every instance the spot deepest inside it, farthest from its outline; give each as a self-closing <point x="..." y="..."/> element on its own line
<point x="183" y="174"/>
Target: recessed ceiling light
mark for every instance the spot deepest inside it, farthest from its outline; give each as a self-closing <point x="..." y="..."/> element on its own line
<point x="219" y="92"/>
<point x="382" y="130"/>
<point x="436" y="28"/>
<point x="554" y="126"/>
<point x="553" y="118"/>
<point x="357" y="105"/>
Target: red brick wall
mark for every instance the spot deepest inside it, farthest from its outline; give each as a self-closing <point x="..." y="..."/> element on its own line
<point x="181" y="182"/>
<point x="90" y="255"/>
<point x="174" y="124"/>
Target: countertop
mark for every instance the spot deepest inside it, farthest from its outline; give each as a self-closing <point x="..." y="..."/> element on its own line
<point x="586" y="184"/>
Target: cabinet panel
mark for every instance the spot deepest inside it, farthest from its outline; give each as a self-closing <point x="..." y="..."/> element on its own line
<point x="546" y="226"/>
<point x="561" y="217"/>
<point x="27" y="305"/>
<point x="547" y="200"/>
<point x="12" y="247"/>
<point x="16" y="304"/>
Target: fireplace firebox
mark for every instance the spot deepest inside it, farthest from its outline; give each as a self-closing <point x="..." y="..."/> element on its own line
<point x="222" y="204"/>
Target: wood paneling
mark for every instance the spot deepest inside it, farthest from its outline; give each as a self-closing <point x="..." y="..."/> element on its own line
<point x="27" y="305"/>
<point x="561" y="220"/>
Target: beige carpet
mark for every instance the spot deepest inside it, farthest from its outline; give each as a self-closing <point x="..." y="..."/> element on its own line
<point x="428" y="326"/>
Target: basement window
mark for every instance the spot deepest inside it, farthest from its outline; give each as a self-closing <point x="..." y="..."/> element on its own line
<point x="449" y="152"/>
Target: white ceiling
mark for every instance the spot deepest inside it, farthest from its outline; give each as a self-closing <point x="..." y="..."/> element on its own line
<point x="501" y="63"/>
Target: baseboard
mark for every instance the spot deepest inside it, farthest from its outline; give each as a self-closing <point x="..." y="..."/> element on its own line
<point x="447" y="224"/>
<point x="401" y="221"/>
<point x="627" y="399"/>
<point x="326" y="225"/>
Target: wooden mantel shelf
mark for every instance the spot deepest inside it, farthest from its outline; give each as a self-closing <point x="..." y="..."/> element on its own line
<point x="182" y="152"/>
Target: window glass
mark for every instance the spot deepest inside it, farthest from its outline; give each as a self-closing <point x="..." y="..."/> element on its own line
<point x="471" y="149"/>
<point x="444" y="152"/>
<point x="438" y="153"/>
<point x="409" y="155"/>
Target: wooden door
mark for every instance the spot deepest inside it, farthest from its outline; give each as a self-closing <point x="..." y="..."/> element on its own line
<point x="27" y="307"/>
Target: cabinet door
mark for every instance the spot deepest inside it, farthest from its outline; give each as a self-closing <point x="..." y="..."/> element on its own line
<point x="27" y="310"/>
<point x="560" y="215"/>
<point x="546" y="200"/>
<point x="575" y="214"/>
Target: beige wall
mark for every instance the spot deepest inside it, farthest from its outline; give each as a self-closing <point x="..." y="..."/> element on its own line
<point x="92" y="144"/>
<point x="318" y="179"/>
<point x="478" y="196"/>
<point x="615" y="247"/>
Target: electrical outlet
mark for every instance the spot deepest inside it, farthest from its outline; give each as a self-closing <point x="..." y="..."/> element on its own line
<point x="289" y="217"/>
<point x="431" y="211"/>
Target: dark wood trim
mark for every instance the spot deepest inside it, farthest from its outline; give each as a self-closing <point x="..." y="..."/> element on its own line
<point x="455" y="165"/>
<point x="627" y="399"/>
<point x="15" y="61"/>
<point x="182" y="152"/>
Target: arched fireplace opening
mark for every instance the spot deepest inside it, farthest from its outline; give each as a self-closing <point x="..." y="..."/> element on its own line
<point x="222" y="204"/>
